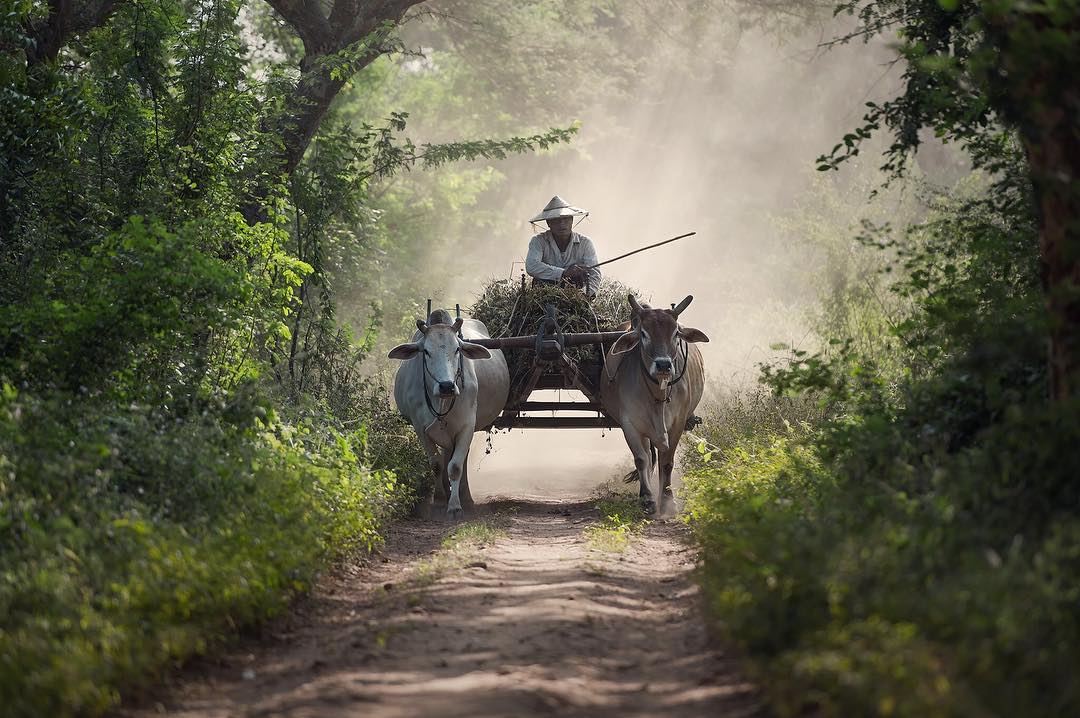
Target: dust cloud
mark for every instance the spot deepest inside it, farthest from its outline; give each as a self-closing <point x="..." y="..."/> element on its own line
<point x="547" y="463"/>
<point x="717" y="145"/>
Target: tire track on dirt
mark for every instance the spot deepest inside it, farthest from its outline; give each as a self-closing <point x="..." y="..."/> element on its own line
<point x="533" y="622"/>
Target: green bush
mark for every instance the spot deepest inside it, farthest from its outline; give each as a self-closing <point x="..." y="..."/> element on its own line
<point x="931" y="584"/>
<point x="761" y="568"/>
<point x="132" y="540"/>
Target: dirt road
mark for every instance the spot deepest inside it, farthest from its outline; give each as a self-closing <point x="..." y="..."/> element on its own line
<point x="523" y="615"/>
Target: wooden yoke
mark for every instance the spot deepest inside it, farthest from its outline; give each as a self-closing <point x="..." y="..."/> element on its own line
<point x="529" y="341"/>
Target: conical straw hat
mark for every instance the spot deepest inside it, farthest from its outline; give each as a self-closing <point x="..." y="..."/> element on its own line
<point x="558" y="207"/>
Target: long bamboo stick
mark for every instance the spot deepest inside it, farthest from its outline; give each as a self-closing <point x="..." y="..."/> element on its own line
<point x="651" y="246"/>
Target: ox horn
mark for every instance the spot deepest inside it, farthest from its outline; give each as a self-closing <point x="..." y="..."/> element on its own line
<point x="683" y="305"/>
<point x="421" y="325"/>
<point x="634" y="304"/>
<point x="457" y="324"/>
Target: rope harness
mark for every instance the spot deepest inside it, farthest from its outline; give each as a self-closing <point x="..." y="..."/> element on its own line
<point x="458" y="380"/>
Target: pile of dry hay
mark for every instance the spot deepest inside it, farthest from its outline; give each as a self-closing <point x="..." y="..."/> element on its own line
<point x="508" y="311"/>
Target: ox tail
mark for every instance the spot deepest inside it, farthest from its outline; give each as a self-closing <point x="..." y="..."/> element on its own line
<point x="632" y="476"/>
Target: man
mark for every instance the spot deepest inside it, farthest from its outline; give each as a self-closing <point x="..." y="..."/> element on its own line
<point x="561" y="254"/>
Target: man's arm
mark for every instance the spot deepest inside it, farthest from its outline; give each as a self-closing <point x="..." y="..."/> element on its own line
<point x="535" y="265"/>
<point x="588" y="258"/>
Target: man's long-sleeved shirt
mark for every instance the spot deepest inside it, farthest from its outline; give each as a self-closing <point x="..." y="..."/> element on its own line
<point x="546" y="262"/>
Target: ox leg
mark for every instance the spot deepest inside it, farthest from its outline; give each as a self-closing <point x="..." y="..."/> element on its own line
<point x="442" y="487"/>
<point x="667" y="499"/>
<point x="641" y="448"/>
<point x="645" y="487"/>
<point x="454" y="469"/>
<point x="652" y="457"/>
<point x="466" y="495"/>
<point x="435" y="464"/>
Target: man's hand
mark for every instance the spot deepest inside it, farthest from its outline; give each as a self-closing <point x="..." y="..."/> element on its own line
<point x="575" y="275"/>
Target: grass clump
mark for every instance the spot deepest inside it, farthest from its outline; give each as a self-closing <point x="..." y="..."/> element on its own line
<point x="609" y="537"/>
<point x="622" y="516"/>
<point x="477" y="534"/>
<point x="460" y="547"/>
<point x="508" y="310"/>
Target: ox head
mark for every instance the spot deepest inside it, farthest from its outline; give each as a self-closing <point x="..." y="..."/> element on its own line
<point x="658" y="335"/>
<point x="442" y="351"/>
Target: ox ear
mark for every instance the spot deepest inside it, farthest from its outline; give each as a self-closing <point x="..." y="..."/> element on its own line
<point x="421" y="325"/>
<point x="474" y="351"/>
<point x="625" y="343"/>
<point x="690" y="334"/>
<point x="404" y="351"/>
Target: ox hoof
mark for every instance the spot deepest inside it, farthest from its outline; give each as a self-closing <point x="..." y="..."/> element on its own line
<point x="648" y="506"/>
<point x="455" y="514"/>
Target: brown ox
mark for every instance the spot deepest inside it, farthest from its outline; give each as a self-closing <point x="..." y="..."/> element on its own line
<point x="654" y="382"/>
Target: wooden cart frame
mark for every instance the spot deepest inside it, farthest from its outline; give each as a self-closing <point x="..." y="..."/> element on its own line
<point x="553" y="368"/>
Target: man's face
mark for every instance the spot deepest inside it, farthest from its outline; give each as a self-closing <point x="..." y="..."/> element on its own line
<point x="561" y="227"/>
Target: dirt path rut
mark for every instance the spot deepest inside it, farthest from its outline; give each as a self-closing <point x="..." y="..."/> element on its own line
<point x="533" y="620"/>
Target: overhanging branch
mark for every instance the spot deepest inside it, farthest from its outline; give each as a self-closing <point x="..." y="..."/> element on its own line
<point x="357" y="29"/>
<point x="65" y="19"/>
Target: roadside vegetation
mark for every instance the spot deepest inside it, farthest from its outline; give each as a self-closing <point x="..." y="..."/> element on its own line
<point x="143" y="539"/>
<point x="891" y="524"/>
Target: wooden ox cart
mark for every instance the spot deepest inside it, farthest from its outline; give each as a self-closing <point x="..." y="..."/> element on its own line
<point x="553" y="368"/>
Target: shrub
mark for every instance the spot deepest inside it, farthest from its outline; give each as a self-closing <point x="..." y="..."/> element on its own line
<point x="889" y="578"/>
<point x="132" y="540"/>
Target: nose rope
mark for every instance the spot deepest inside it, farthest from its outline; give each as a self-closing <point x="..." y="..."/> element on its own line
<point x="676" y="380"/>
<point x="458" y="378"/>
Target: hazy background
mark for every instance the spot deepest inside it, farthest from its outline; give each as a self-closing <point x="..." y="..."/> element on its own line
<point x="713" y="128"/>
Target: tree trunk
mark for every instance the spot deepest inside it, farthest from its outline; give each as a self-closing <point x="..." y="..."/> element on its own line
<point x="65" y="18"/>
<point x="1039" y="84"/>
<point x="1053" y="150"/>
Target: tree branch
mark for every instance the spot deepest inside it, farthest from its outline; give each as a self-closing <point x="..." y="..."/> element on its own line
<point x="335" y="48"/>
<point x="66" y="18"/>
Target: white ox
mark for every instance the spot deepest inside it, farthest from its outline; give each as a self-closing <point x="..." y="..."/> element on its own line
<point x="655" y="378"/>
<point x="448" y="388"/>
